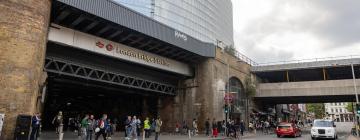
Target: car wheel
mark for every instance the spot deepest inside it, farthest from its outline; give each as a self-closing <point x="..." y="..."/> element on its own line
<point x="278" y="136"/>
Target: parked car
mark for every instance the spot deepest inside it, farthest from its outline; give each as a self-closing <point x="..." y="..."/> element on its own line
<point x="323" y="129"/>
<point x="288" y="129"/>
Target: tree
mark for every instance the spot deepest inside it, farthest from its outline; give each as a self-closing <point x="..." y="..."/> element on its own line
<point x="349" y="107"/>
<point x="317" y="108"/>
<point x="250" y="88"/>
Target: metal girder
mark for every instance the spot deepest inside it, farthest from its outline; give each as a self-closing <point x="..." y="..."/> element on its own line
<point x="136" y="41"/>
<point x="145" y="44"/>
<point x="62" y="16"/>
<point x="103" y="30"/>
<point x="117" y="32"/>
<point x="90" y="26"/>
<point x="126" y="37"/>
<point x="64" y="67"/>
<point x="77" y="21"/>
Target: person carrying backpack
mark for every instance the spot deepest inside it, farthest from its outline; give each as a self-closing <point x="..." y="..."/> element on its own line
<point x="101" y="127"/>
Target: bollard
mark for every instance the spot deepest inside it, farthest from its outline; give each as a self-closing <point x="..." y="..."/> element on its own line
<point x="189" y="134"/>
<point x="144" y="134"/>
<point x="61" y="135"/>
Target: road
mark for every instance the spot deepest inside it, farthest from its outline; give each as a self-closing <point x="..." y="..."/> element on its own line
<point x="303" y="137"/>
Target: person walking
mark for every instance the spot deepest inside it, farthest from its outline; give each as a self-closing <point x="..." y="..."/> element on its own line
<point x="138" y="126"/>
<point x="267" y="127"/>
<point x="147" y="127"/>
<point x="214" y="128"/>
<point x="101" y="127"/>
<point x="90" y="128"/>
<point x="108" y="129"/>
<point x="207" y="127"/>
<point x="84" y="125"/>
<point x="157" y="127"/>
<point x="127" y="127"/>
<point x="195" y="127"/>
<point x="133" y="125"/>
<point x="185" y="127"/>
<point x="35" y="126"/>
<point x="58" y="123"/>
<point x="242" y="127"/>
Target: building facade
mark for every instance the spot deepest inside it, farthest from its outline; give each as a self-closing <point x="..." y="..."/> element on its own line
<point x="98" y="57"/>
<point x="338" y="112"/>
<point x="208" y="21"/>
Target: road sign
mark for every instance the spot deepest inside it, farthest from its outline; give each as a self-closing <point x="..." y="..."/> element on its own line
<point x="228" y="98"/>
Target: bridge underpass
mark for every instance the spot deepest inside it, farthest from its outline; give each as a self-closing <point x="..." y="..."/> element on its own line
<point x="307" y="82"/>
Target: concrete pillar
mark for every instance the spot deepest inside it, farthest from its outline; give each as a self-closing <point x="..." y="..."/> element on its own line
<point x="23" y="33"/>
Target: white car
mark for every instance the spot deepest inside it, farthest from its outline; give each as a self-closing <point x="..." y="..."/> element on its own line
<point x="323" y="129"/>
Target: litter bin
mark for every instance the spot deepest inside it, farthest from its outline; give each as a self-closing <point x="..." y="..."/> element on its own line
<point x="22" y="128"/>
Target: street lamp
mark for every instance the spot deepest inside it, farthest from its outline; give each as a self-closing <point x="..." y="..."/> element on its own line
<point x="357" y="99"/>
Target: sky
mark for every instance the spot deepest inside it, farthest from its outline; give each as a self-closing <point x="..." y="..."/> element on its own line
<point x="280" y="30"/>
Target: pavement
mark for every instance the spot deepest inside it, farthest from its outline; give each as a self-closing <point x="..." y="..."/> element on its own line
<point x="120" y="136"/>
<point x="342" y="128"/>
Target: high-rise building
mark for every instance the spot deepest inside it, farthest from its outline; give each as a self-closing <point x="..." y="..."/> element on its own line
<point x="207" y="20"/>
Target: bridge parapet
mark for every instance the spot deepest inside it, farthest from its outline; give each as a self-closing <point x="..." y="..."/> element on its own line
<point x="299" y="64"/>
<point x="307" y="88"/>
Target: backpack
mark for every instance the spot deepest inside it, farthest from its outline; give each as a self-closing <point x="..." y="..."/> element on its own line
<point x="101" y="124"/>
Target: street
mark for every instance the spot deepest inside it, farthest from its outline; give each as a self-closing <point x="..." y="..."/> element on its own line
<point x="305" y="136"/>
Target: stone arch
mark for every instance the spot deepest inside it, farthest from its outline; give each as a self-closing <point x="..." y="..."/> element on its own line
<point x="240" y="100"/>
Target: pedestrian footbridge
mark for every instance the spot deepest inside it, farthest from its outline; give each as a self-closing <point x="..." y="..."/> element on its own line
<point x="305" y="82"/>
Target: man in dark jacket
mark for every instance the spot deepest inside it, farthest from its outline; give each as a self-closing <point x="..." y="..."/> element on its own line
<point x="242" y="127"/>
<point x="207" y="127"/>
<point x="35" y="126"/>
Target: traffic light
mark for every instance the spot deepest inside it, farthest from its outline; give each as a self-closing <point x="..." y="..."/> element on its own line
<point x="357" y="108"/>
<point x="226" y="109"/>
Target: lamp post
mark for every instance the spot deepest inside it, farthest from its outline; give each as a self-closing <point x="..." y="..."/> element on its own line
<point x="357" y="99"/>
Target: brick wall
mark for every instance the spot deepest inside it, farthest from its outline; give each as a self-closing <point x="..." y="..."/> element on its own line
<point x="23" y="32"/>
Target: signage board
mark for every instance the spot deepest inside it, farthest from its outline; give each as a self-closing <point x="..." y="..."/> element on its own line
<point x="102" y="46"/>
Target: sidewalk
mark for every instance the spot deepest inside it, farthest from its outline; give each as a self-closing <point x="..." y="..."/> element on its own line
<point x="351" y="137"/>
<point x="120" y="136"/>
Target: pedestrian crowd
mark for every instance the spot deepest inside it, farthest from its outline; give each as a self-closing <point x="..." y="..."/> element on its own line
<point x="89" y="128"/>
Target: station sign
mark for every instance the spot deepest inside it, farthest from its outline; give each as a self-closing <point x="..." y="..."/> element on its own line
<point x="103" y="46"/>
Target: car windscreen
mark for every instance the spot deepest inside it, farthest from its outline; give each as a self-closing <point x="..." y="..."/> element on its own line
<point x="323" y="124"/>
<point x="283" y="126"/>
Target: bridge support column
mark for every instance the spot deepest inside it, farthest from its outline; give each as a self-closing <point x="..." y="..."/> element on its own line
<point x="23" y="34"/>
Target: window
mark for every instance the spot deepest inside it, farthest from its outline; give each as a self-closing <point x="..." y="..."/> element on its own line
<point x="332" y="110"/>
<point x="336" y="110"/>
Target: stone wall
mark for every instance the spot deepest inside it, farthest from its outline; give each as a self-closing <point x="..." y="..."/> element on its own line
<point x="202" y="97"/>
<point x="23" y="32"/>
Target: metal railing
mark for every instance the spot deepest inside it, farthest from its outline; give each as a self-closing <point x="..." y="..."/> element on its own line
<point x="308" y="60"/>
<point x="242" y="57"/>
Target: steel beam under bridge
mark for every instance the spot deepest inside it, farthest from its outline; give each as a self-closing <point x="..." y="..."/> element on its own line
<point x="64" y="67"/>
<point x="309" y="91"/>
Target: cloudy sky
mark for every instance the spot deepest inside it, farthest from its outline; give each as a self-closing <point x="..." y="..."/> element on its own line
<point x="277" y="30"/>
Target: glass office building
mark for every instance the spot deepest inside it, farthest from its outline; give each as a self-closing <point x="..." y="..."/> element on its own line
<point x="206" y="20"/>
